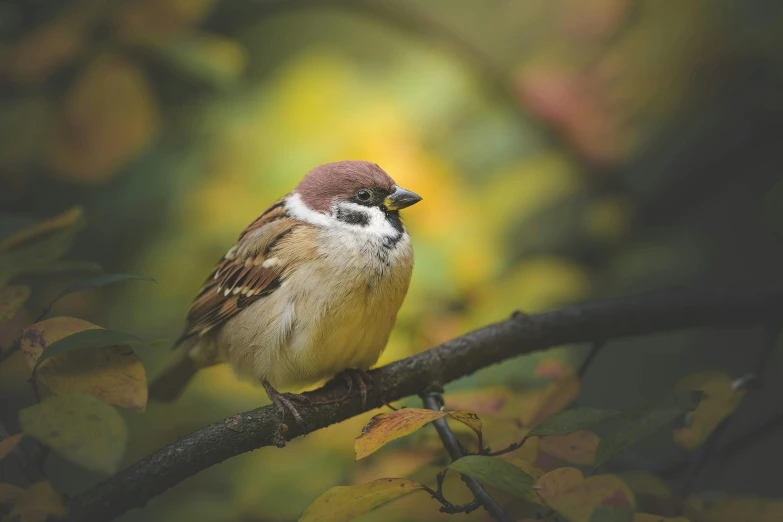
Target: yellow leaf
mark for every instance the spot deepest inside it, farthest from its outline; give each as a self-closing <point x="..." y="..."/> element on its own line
<point x="38" y="502"/>
<point x="38" y="336"/>
<point x="11" y="300"/>
<point x="645" y="484"/>
<point x="108" y="118"/>
<point x="342" y="503"/>
<point x="719" y="401"/>
<point x="386" y="427"/>
<point x="10" y="494"/>
<point x="79" y="427"/>
<point x="113" y="374"/>
<point x="567" y="492"/>
<point x="67" y="219"/>
<point x="577" y="448"/>
<point x="647" y="517"/>
<point x="9" y="443"/>
<point x="734" y="509"/>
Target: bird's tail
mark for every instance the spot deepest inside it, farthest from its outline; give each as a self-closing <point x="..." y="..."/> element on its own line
<point x="171" y="382"/>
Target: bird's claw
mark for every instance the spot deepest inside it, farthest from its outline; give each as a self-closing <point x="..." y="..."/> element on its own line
<point x="285" y="402"/>
<point x="362" y="379"/>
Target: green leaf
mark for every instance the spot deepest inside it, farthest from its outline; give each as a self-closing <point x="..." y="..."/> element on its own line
<point x="492" y="471"/>
<point x="97" y="338"/>
<point x="80" y="428"/>
<point x="99" y="281"/>
<point x="627" y="429"/>
<point x="570" y="421"/>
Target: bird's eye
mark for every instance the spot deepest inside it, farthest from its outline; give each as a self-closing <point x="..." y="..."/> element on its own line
<point x="363" y="195"/>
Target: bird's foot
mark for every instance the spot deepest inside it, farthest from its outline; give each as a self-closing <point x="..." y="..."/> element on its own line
<point x="285" y="402"/>
<point x="362" y="379"/>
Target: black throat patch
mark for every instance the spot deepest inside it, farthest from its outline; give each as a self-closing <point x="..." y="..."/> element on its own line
<point x="352" y="217"/>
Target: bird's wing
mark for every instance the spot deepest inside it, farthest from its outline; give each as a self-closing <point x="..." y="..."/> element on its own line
<point x="252" y="269"/>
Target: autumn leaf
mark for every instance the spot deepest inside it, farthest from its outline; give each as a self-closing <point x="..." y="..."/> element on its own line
<point x="497" y="473"/>
<point x="386" y="427"/>
<point x="12" y="298"/>
<point x="10" y="494"/>
<point x="70" y="354"/>
<point x="576" y="498"/>
<point x="578" y="447"/>
<point x="342" y="503"/>
<point x="642" y="483"/>
<point x="647" y="517"/>
<point x="38" y="502"/>
<point x="79" y="427"/>
<point x="100" y="281"/>
<point x="9" y="443"/>
<point x="108" y="118"/>
<point x="718" y="401"/>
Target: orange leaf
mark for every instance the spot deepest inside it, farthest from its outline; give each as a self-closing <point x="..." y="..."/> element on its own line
<point x="343" y="503"/>
<point x="10" y="494"/>
<point x="386" y="427"/>
<point x="9" y="443"/>
<point x="577" y="448"/>
<point x="719" y="401"/>
<point x="567" y="492"/>
<point x="484" y="401"/>
<point x="108" y="118"/>
<point x="38" y="502"/>
<point x="552" y="368"/>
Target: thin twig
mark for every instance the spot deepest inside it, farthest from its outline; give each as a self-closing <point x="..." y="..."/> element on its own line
<point x="243" y="432"/>
<point x="594" y="349"/>
<point x="434" y="401"/>
<point x="508" y="449"/>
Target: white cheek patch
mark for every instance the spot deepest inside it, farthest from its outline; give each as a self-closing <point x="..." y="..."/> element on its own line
<point x="298" y="210"/>
<point x="377" y="225"/>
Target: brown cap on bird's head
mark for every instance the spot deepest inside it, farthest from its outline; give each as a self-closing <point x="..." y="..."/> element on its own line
<point x="341" y="180"/>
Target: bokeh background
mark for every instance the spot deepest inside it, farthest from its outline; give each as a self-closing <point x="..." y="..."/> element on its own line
<point x="565" y="150"/>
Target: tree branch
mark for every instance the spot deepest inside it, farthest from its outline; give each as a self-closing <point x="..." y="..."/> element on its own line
<point x="243" y="432"/>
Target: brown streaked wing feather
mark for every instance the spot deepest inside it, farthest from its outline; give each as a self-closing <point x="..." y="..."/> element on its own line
<point x="241" y="277"/>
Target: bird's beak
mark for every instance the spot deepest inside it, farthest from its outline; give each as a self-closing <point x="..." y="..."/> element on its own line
<point x="400" y="199"/>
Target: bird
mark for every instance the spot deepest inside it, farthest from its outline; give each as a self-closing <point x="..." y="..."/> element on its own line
<point x="310" y="290"/>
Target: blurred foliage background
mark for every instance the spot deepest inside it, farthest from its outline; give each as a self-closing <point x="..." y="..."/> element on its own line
<point x="565" y="150"/>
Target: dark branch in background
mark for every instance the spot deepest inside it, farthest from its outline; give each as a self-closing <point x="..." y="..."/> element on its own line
<point x="434" y="401"/>
<point x="707" y="451"/>
<point x="243" y="432"/>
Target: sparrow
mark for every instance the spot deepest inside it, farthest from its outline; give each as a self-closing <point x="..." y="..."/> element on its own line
<point x="310" y="290"/>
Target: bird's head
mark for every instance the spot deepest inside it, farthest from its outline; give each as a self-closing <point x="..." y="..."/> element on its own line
<point x="352" y="191"/>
